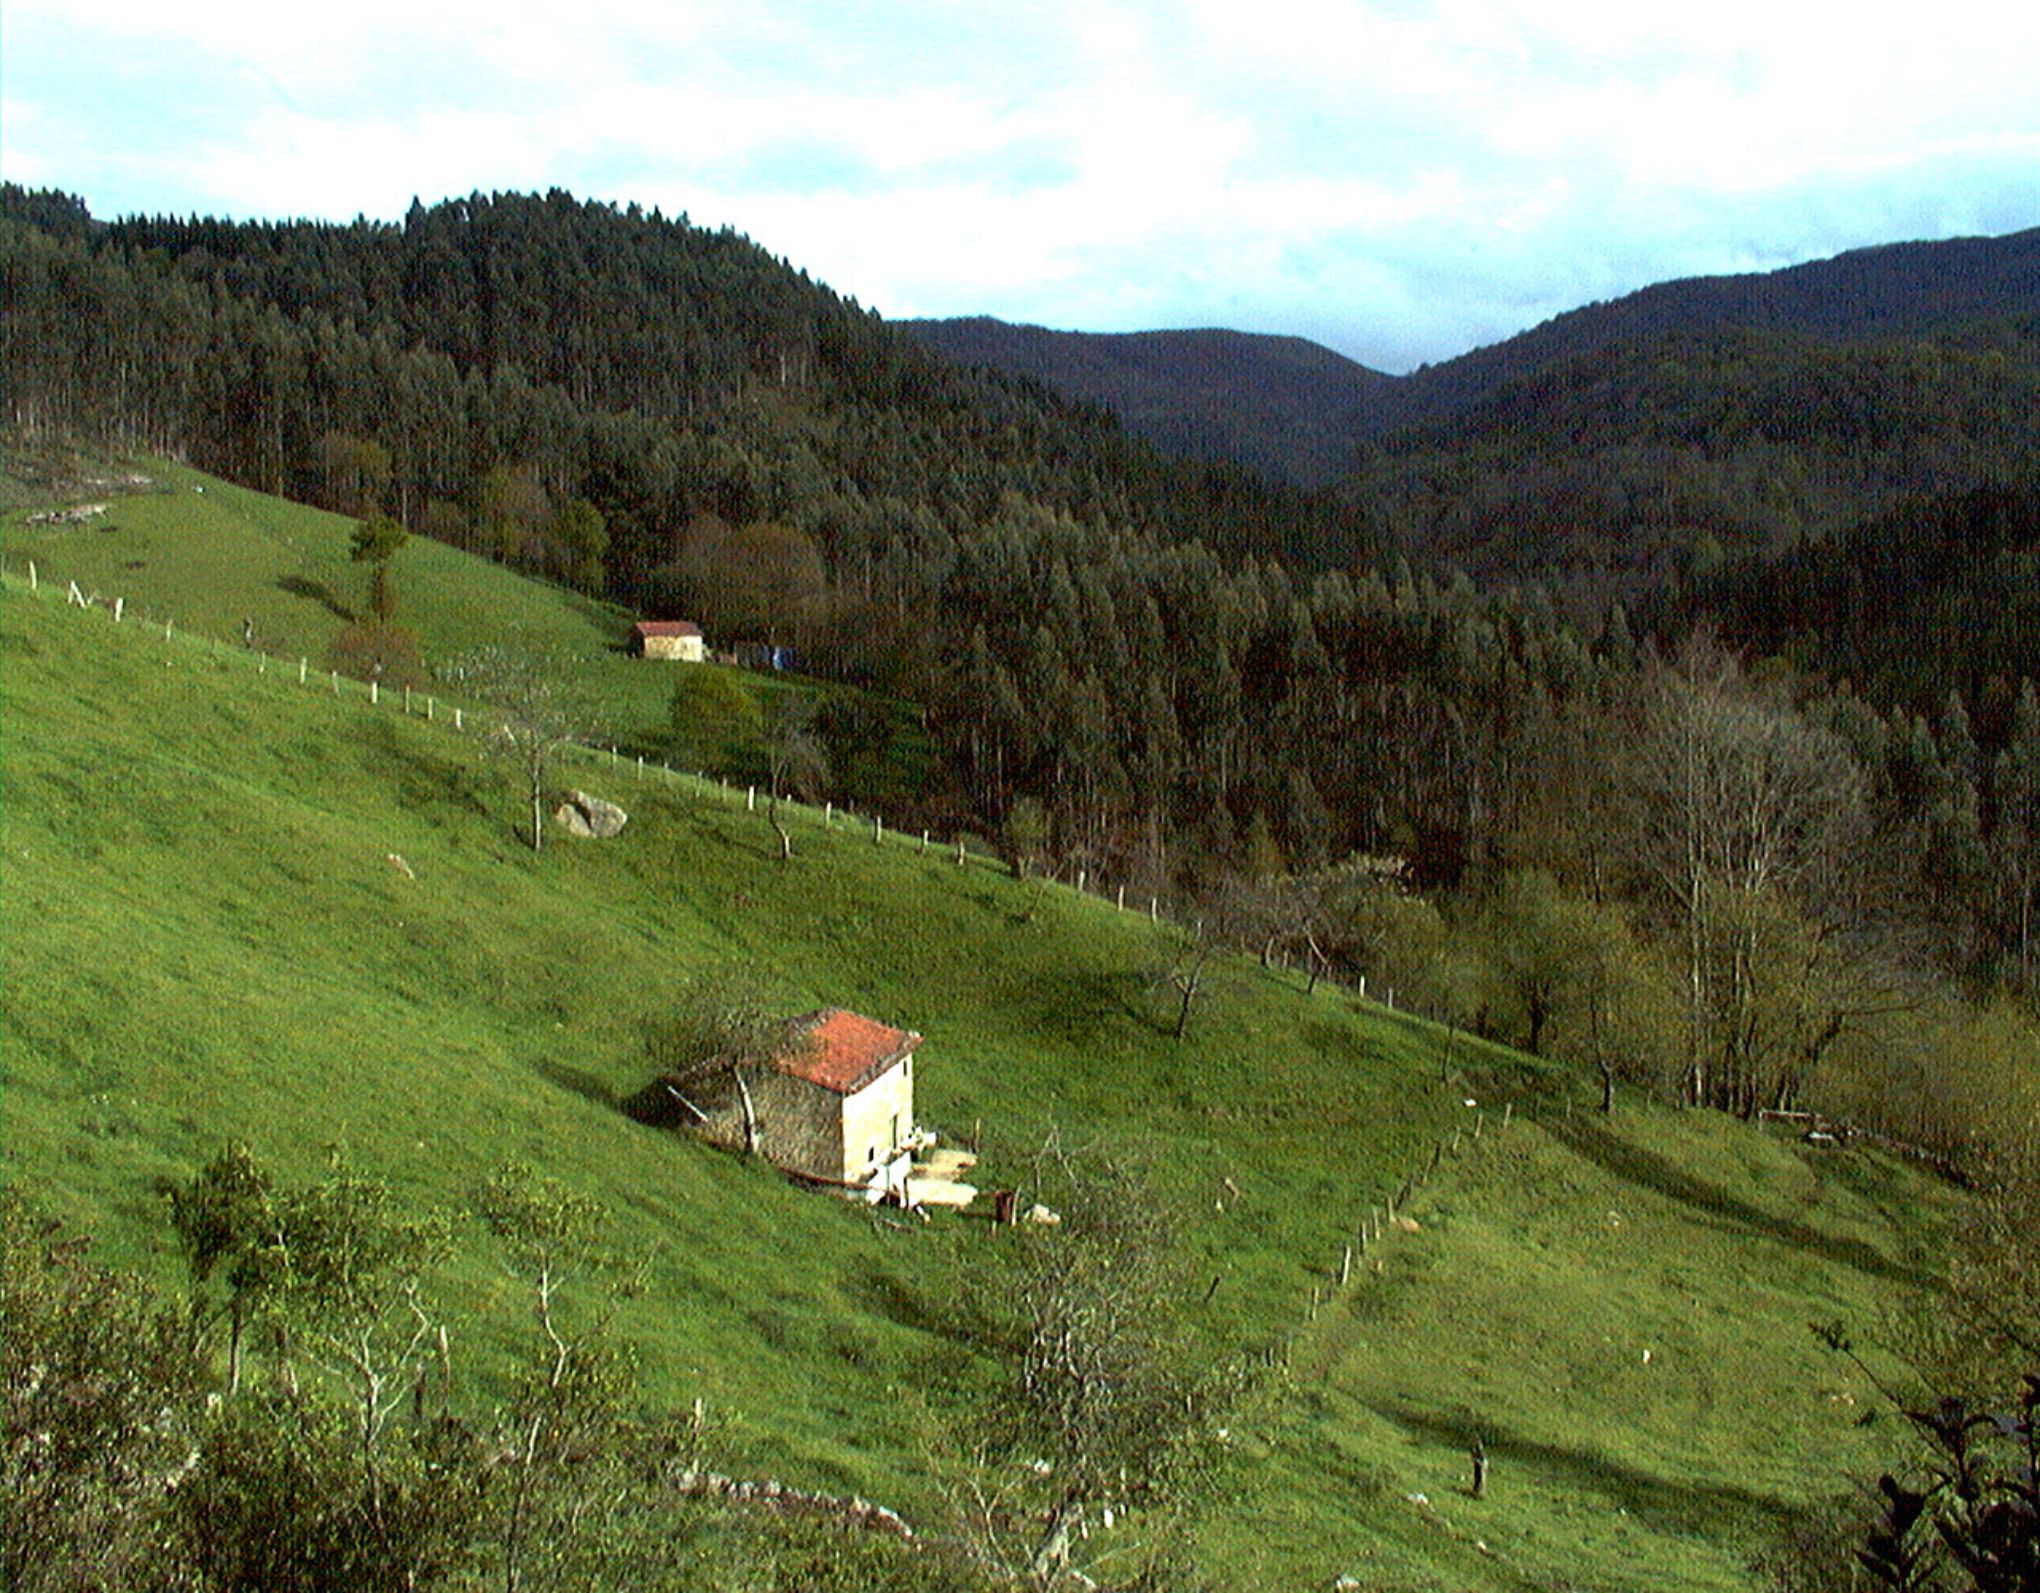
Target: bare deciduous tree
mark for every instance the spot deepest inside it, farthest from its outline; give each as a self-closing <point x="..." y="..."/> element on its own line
<point x="537" y="709"/>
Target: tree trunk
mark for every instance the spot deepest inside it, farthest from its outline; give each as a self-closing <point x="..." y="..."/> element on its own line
<point x="1052" y="1555"/>
<point x="750" y="1112"/>
<point x="779" y="829"/>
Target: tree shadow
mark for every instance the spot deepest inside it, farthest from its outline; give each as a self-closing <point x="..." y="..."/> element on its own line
<point x="1725" y="1211"/>
<point x="580" y="1082"/>
<point x="318" y="592"/>
<point x="425" y="781"/>
<point x="1693" y="1509"/>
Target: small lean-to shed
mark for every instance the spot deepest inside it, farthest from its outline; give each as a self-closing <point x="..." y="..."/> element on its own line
<point x="677" y="640"/>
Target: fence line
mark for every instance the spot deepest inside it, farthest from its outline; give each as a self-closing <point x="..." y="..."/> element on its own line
<point x="1114" y="895"/>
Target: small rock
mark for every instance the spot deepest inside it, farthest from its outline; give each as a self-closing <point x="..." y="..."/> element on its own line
<point x="1041" y="1214"/>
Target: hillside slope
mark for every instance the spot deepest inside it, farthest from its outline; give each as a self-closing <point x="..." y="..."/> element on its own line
<point x="208" y="936"/>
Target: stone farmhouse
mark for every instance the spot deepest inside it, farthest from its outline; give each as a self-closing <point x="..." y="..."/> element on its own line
<point x="835" y="1105"/>
<point x="677" y="640"/>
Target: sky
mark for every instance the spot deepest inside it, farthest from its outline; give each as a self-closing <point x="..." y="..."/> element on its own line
<point x="1400" y="180"/>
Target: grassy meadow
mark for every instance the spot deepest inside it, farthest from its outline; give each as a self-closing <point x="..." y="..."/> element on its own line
<point x="238" y="906"/>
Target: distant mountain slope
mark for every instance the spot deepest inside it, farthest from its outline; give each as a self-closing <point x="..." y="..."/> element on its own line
<point x="1281" y="405"/>
<point x="1622" y="469"/>
<point x="1294" y="410"/>
<point x="1894" y="290"/>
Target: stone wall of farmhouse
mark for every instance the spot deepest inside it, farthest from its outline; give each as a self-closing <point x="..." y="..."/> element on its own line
<point x="799" y="1124"/>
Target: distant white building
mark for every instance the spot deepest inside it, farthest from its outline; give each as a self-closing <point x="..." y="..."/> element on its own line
<point x="677" y="640"/>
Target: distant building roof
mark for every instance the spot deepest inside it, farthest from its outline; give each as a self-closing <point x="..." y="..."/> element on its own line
<point x="667" y="628"/>
<point x="844" y="1052"/>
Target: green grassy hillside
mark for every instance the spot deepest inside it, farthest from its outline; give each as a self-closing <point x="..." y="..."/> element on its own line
<point x="198" y="553"/>
<point x="207" y="934"/>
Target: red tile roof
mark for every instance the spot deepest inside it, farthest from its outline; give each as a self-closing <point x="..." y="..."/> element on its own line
<point x="667" y="628"/>
<point x="842" y="1051"/>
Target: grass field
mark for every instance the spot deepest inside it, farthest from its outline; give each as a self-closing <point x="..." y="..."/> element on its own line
<point x="206" y="935"/>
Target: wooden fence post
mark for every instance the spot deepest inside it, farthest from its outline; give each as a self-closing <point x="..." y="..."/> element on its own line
<point x="456" y="719"/>
<point x="924" y="840"/>
<point x="336" y="683"/>
<point x="750" y="799"/>
<point x="959" y="854"/>
<point x="1154" y="910"/>
<point x="828" y="814"/>
<point x="877" y="829"/>
<point x="1122" y="898"/>
<point x="119" y="604"/>
<point x="31" y="576"/>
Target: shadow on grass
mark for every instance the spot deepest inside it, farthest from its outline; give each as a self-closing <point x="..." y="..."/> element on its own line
<point x="1623" y="1160"/>
<point x="318" y="592"/>
<point x="1702" y="1509"/>
<point x="954" y="1318"/>
<point x="426" y="780"/>
<point x="579" y="1082"/>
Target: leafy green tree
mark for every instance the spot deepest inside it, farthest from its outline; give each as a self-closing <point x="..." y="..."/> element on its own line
<point x="578" y="538"/>
<point x="1025" y="834"/>
<point x="279" y="1500"/>
<point x="716" y="719"/>
<point x="228" y="1226"/>
<point x="376" y="541"/>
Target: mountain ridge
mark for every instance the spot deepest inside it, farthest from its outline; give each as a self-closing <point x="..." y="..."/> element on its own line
<point x="1304" y="419"/>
